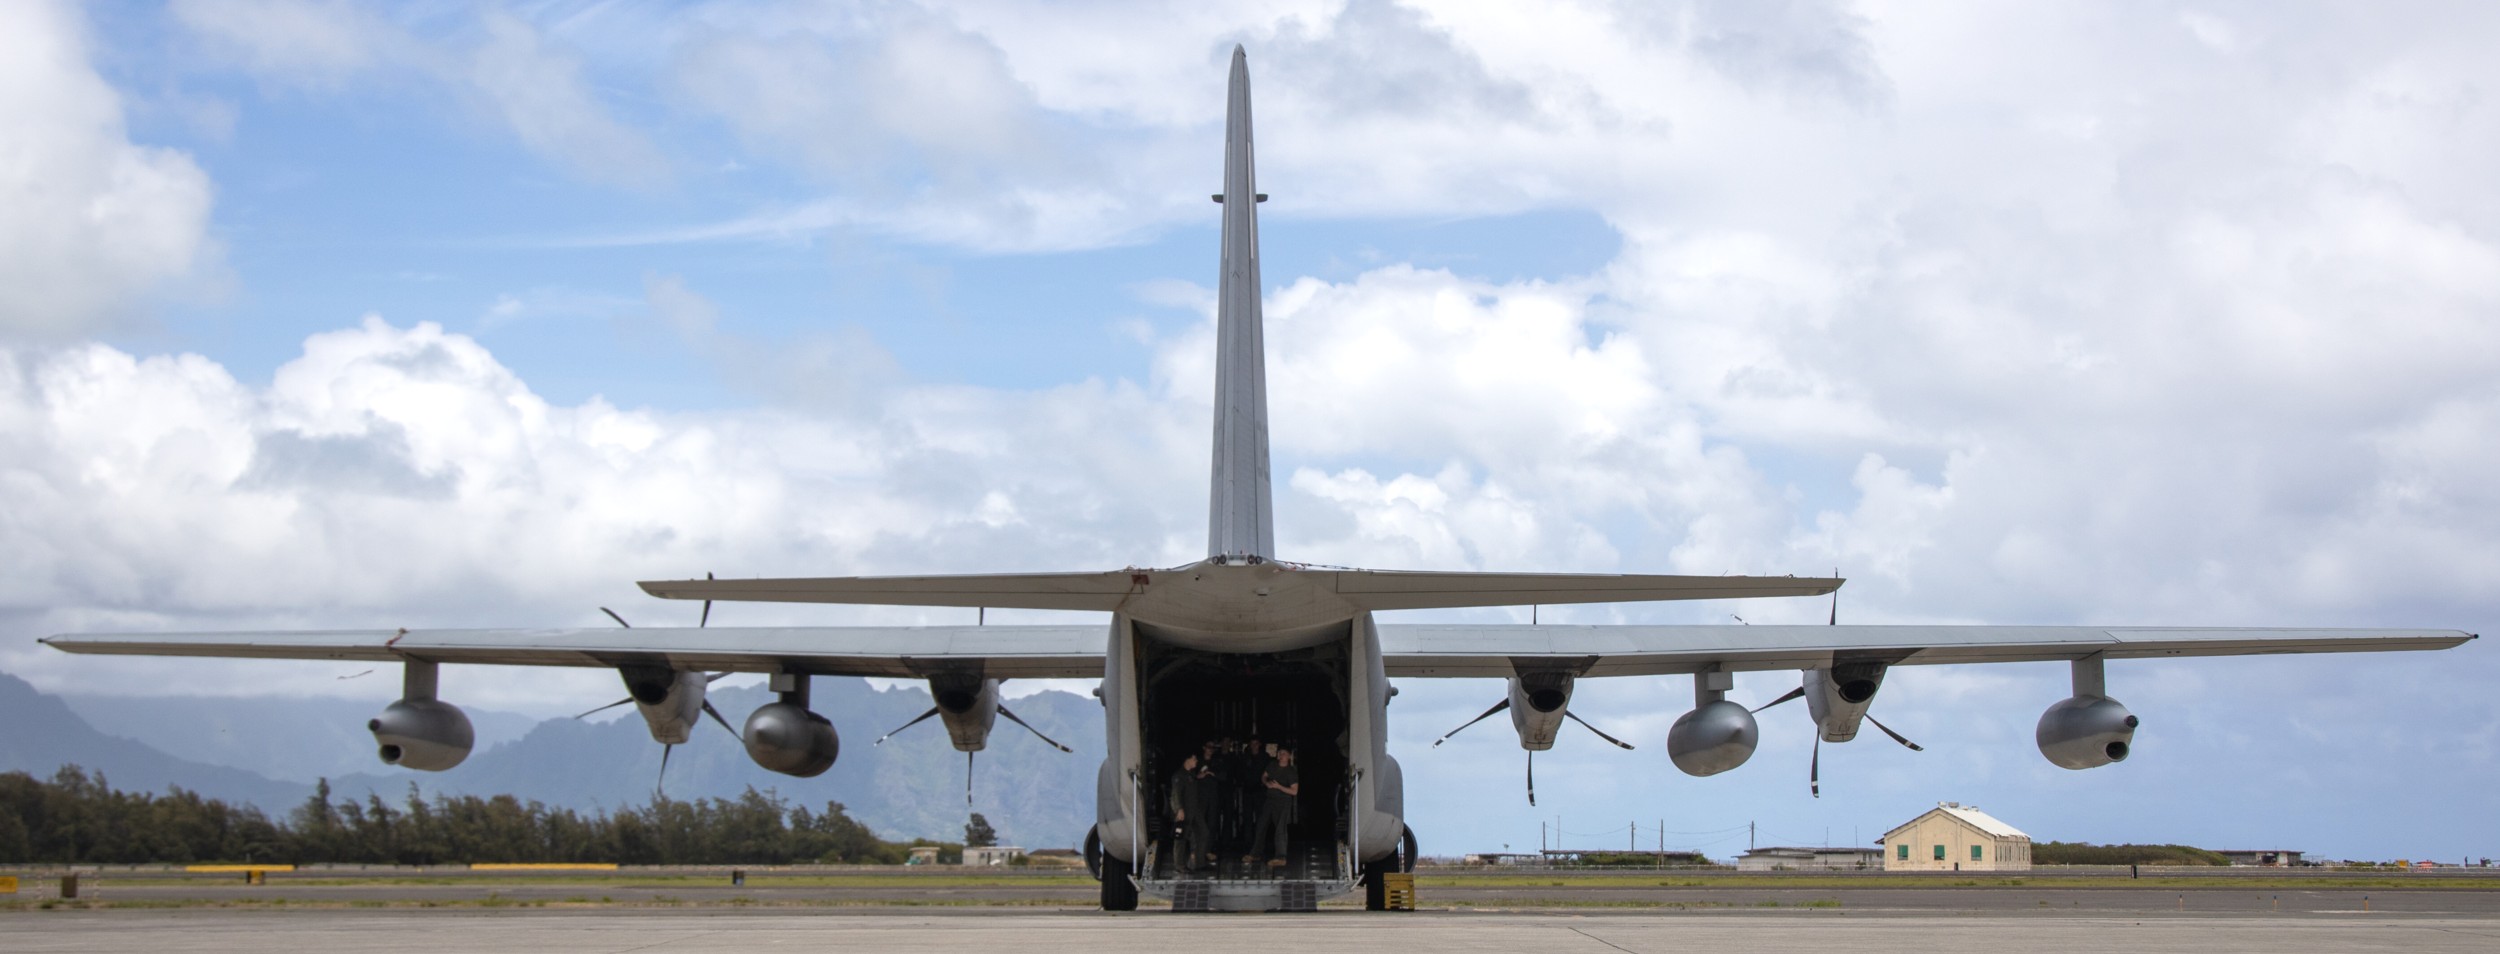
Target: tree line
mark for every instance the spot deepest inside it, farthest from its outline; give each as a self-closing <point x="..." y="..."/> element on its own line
<point x="76" y="817"/>
<point x="2086" y="853"/>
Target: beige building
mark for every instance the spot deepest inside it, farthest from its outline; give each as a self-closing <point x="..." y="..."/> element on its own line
<point x="1956" y="837"/>
<point x="987" y="857"/>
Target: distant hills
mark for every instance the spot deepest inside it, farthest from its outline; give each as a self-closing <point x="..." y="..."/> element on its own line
<point x="268" y="753"/>
<point x="39" y="734"/>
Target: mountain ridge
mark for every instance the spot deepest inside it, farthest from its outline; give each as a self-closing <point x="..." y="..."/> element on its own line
<point x="910" y="787"/>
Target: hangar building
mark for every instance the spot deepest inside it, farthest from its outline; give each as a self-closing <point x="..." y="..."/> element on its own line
<point x="1956" y="837"/>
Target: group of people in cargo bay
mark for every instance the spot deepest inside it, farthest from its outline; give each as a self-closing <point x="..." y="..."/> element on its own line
<point x="1230" y="799"/>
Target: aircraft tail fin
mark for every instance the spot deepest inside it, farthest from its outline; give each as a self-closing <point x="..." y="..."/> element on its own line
<point x="1241" y="510"/>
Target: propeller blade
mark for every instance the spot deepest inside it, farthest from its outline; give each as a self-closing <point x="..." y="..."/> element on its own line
<point x="968" y="776"/>
<point x="707" y="608"/>
<point x="659" y="787"/>
<point x="620" y="621"/>
<point x="1028" y="727"/>
<point x="605" y="708"/>
<point x="724" y="722"/>
<point x="1488" y="713"/>
<point x="1896" y="736"/>
<point x="1835" y="620"/>
<point x="1814" y="769"/>
<point x="1601" y="733"/>
<point x="1531" y="778"/>
<point x="1797" y="693"/>
<point x="924" y="717"/>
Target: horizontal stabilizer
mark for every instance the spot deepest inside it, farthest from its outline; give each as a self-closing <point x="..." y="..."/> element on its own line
<point x="1398" y="590"/>
<point x="1354" y="590"/>
<point x="1101" y="592"/>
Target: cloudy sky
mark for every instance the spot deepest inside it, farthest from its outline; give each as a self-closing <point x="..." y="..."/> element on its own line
<point x="2137" y="313"/>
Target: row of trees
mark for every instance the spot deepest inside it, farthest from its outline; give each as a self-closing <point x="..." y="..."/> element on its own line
<point x="77" y="817"/>
<point x="2085" y="853"/>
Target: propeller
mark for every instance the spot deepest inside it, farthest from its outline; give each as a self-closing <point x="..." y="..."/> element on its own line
<point x="1505" y="704"/>
<point x="659" y="786"/>
<point x="1814" y="764"/>
<point x="1002" y="710"/>
<point x="1488" y="713"/>
<point x="1601" y="733"/>
<point x="1793" y="694"/>
<point x="1028" y="727"/>
<point x="916" y="720"/>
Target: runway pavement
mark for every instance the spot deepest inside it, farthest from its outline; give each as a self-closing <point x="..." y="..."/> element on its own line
<point x="732" y="931"/>
<point x="2464" y="899"/>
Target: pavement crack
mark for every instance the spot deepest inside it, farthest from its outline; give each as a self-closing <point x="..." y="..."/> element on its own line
<point x="1603" y="941"/>
<point x="667" y="943"/>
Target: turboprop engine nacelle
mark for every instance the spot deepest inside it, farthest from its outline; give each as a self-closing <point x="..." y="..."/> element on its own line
<point x="1537" y="703"/>
<point x="2088" y="729"/>
<point x="787" y="737"/>
<point x="670" y="701"/>
<point x="968" y="705"/>
<point x="1717" y="735"/>
<point x="1838" y="697"/>
<point x="420" y="731"/>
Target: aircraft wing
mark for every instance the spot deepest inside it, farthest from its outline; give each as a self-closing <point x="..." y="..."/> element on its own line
<point x="1442" y="650"/>
<point x="1004" y="652"/>
<point x="1618" y="650"/>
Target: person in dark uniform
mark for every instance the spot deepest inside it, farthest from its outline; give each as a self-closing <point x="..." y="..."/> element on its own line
<point x="1247" y="795"/>
<point x="1214" y="792"/>
<point x="1187" y="800"/>
<point x="1283" y="783"/>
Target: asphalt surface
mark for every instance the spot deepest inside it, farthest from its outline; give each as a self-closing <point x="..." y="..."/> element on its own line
<point x="1872" y="897"/>
<point x="733" y="931"/>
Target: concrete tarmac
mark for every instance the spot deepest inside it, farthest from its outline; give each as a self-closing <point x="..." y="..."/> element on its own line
<point x="2466" y="900"/>
<point x="729" y="931"/>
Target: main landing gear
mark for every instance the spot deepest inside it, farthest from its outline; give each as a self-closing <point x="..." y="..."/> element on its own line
<point x="1375" y="873"/>
<point x="1119" y="893"/>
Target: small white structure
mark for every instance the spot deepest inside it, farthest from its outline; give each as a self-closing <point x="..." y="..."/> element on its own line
<point x="1956" y="837"/>
<point x="990" y="856"/>
<point x="1809" y="859"/>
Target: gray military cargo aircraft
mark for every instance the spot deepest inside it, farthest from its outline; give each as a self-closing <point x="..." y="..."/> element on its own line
<point x="1243" y="644"/>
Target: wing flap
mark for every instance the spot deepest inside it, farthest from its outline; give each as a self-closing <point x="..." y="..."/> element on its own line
<point x="1006" y="652"/>
<point x="1488" y="650"/>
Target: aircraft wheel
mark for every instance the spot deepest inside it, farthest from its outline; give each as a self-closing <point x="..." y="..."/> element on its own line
<point x="1118" y="892"/>
<point x="1376" y="883"/>
<point x="1407" y="863"/>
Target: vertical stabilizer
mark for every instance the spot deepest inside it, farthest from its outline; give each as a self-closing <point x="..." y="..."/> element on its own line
<point x="1241" y="516"/>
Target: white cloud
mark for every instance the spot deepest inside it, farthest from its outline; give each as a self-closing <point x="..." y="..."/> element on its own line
<point x="93" y="227"/>
<point x="315" y="43"/>
<point x="2013" y="314"/>
<point x="543" y="97"/>
<point x="506" y="66"/>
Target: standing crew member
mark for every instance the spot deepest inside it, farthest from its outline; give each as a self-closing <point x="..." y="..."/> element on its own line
<point x="1284" y="788"/>
<point x="1189" y="815"/>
